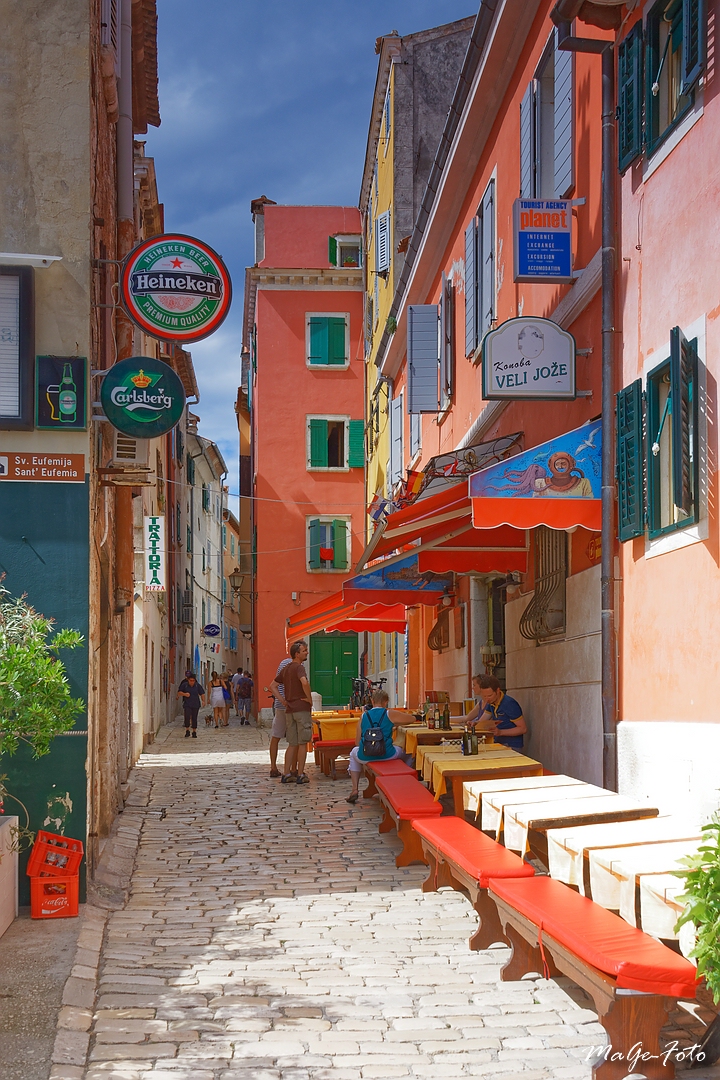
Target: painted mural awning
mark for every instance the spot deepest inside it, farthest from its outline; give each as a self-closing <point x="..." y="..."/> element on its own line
<point x="438" y="531"/>
<point x="555" y="484"/>
<point x="334" y="613"/>
<point x="397" y="581"/>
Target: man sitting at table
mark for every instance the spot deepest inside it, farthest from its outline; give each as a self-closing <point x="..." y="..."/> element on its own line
<point x="379" y="716"/>
<point x="497" y="713"/>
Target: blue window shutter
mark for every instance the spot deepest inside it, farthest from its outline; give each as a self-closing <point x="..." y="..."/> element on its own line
<point x="382" y="242"/>
<point x="564" y="122"/>
<point x="315" y="541"/>
<point x="336" y="341"/>
<point x="339" y="534"/>
<point x="527" y="143"/>
<point x="470" y="288"/>
<point x="486" y="269"/>
<point x="319" y="340"/>
<point x="396" y="440"/>
<point x="630" y="53"/>
<point x="332" y="250"/>
<point x="694" y="28"/>
<point x="356" y="448"/>
<point x="683" y="388"/>
<point x="423" y="352"/>
<point x="631" y="502"/>
<point x="319" y="444"/>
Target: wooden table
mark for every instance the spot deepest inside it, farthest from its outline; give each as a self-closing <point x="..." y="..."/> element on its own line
<point x="474" y="793"/>
<point x="450" y="771"/>
<point x="569" y="847"/>
<point x="334" y="728"/>
<point x="427" y="755"/>
<point x="421" y="735"/>
<point x="526" y="825"/>
<point x="493" y="803"/>
<point x="615" y="874"/>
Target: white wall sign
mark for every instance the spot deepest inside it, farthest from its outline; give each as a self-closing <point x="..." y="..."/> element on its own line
<point x="528" y="358"/>
<point x="155" y="554"/>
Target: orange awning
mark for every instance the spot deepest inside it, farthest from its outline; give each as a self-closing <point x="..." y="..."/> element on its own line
<point x="393" y="620"/>
<point x="333" y="613"/>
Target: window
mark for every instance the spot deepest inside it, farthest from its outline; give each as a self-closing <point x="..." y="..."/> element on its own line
<point x="110" y="30"/>
<point x="17" y="348"/>
<point x="395" y="471"/>
<point x="178" y="523"/>
<point x="544" y="617"/>
<point x="382" y="243"/>
<point x="546" y="127"/>
<point x="232" y="545"/>
<point x="224" y="591"/>
<point x="327" y="340"/>
<point x="658" y="475"/>
<point x="423" y="355"/>
<point x="447" y="343"/>
<point x="190" y="471"/>
<point x="206" y="498"/>
<point x="328" y="543"/>
<point x="387" y="120"/>
<point x="334" y="442"/>
<point x="674" y="49"/>
<point x="188" y="539"/>
<point x="203" y="611"/>
<point x="480" y="272"/>
<point x="224" y="537"/>
<point x="415" y="434"/>
<point x="345" y="251"/>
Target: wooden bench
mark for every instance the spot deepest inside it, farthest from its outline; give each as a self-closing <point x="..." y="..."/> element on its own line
<point x="631" y="977"/>
<point x="461" y="856"/>
<point x="392" y="767"/>
<point x="327" y="751"/>
<point x="403" y="799"/>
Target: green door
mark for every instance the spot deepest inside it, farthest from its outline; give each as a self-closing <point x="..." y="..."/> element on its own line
<point x="333" y="666"/>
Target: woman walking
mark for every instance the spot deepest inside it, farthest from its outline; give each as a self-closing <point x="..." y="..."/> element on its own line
<point x="227" y="698"/>
<point x="217" y="699"/>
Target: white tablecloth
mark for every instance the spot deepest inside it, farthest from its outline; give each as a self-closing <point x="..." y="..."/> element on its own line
<point x="660" y="910"/>
<point x="519" y="818"/>
<point x="613" y="872"/>
<point x="474" y="791"/>
<point x="494" y="802"/>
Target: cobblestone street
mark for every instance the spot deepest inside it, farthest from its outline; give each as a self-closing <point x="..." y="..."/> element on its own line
<point x="269" y="936"/>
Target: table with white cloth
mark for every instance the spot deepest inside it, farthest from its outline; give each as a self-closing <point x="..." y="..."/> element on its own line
<point x="474" y="791"/>
<point x="493" y="803"/>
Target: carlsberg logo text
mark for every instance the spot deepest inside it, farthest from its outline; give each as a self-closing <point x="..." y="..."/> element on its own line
<point x="134" y="399"/>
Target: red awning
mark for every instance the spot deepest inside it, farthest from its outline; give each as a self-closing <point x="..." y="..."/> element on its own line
<point x="439" y="529"/>
<point x="333" y="613"/>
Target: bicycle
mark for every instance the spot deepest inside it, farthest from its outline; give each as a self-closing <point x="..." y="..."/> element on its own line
<point x="362" y="691"/>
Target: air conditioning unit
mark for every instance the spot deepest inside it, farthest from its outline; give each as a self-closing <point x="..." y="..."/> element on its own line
<point x="129" y="453"/>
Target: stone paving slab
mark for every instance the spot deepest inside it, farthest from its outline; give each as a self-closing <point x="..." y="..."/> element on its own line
<point x="267" y="935"/>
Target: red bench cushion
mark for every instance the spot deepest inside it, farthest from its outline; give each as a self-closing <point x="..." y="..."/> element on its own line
<point x="393" y="767"/>
<point x="599" y="937"/>
<point x="334" y="744"/>
<point x="407" y="796"/>
<point x="471" y="849"/>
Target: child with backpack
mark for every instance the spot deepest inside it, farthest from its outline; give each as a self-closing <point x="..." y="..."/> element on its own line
<point x="374" y="737"/>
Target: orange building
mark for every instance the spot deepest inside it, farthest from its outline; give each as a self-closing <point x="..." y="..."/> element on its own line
<point x="303" y="327"/>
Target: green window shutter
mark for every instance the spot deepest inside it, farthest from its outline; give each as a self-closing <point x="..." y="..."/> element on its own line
<point x="318" y="444"/>
<point x="340" y="559"/>
<point x="314" y="561"/>
<point x="630" y="461"/>
<point x="683" y="382"/>
<point x="694" y="30"/>
<point x="332" y="250"/>
<point x="318" y="340"/>
<point x="630" y="53"/>
<point x="336" y="341"/>
<point x="356" y="456"/>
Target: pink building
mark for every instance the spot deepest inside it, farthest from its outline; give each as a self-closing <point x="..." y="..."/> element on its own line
<point x="303" y="326"/>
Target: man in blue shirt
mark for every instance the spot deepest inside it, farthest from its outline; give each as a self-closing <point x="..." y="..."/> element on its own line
<point x="498" y="713"/>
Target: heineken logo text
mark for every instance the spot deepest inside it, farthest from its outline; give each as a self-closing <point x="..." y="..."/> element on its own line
<point x="141" y="284"/>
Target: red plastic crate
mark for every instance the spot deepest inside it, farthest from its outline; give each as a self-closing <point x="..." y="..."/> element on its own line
<point x="54" y="897"/>
<point x="54" y="855"/>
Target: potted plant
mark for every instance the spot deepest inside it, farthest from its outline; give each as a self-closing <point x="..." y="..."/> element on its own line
<point x="701" y="875"/>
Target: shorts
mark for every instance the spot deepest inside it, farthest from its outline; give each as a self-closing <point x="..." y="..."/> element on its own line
<point x="356" y="763"/>
<point x="279" y="724"/>
<point x="298" y="727"/>
<point x="243" y="704"/>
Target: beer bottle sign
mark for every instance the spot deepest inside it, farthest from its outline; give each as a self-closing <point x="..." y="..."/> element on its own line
<point x="67" y="397"/>
<point x="175" y="288"/>
<point x="60" y="392"/>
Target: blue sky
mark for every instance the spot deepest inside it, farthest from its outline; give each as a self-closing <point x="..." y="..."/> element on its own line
<point x="263" y="99"/>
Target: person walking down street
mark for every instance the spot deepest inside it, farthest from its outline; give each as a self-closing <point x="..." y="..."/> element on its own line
<point x="279" y="722"/>
<point x="235" y="680"/>
<point x="497" y="713"/>
<point x="193" y="699"/>
<point x="244" y="696"/>
<point x="217" y="699"/>
<point x="374" y="738"/>
<point x="298" y="715"/>
<point x="227" y="695"/>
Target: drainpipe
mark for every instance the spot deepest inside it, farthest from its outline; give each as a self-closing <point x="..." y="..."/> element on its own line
<point x="608" y="667"/>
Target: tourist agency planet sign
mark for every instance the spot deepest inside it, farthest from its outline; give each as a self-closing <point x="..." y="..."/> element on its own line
<point x="142" y="397"/>
<point x="528" y="358"/>
<point x="175" y="288"/>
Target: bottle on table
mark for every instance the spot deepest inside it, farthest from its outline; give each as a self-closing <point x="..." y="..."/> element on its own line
<point x="446" y="716"/>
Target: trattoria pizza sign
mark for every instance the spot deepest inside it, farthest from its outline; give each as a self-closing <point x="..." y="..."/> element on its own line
<point x="175" y="288"/>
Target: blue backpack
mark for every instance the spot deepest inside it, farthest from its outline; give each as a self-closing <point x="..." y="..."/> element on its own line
<point x="373" y="740"/>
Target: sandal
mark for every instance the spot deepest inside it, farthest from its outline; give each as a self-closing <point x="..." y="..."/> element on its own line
<point x="352" y="798"/>
<point x="288" y="778"/>
<point x="303" y="778"/>
<point x="274" y="773"/>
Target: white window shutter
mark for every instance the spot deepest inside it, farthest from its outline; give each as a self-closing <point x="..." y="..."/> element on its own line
<point x="423" y="353"/>
<point x="564" y="122"/>
<point x="470" y="288"/>
<point x="527" y="143"/>
<point x="396" y="440"/>
<point x="110" y="29"/>
<point x="487" y="262"/>
<point x="415" y="433"/>
<point x="382" y="242"/>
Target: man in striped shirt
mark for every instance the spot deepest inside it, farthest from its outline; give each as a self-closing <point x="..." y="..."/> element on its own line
<point x="278" y="728"/>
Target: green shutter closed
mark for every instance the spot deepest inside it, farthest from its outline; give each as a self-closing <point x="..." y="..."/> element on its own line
<point x="314" y="560"/>
<point x="630" y="462"/>
<point x="336" y="341"/>
<point x="630" y="97"/>
<point x="332" y="250"/>
<point x="340" y="559"/>
<point x="318" y="340"/>
<point x="694" y="31"/>
<point x="683" y="369"/>
<point x="318" y="444"/>
<point x="356" y="453"/>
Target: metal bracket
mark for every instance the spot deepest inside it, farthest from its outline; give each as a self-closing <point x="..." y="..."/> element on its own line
<point x="583" y="393"/>
<point x="583" y="352"/>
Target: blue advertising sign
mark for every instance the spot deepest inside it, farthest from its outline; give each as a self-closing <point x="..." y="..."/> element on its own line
<point x="211" y="630"/>
<point x="542" y="230"/>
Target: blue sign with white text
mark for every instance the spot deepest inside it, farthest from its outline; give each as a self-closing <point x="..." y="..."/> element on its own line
<point x="542" y="233"/>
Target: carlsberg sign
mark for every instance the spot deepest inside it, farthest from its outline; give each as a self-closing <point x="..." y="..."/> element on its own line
<point x="142" y="397"/>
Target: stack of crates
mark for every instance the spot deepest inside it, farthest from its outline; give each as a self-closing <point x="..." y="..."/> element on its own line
<point x="54" y="872"/>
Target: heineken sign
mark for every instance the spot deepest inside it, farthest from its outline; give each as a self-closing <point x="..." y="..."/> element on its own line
<point x="142" y="397"/>
<point x="175" y="288"/>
